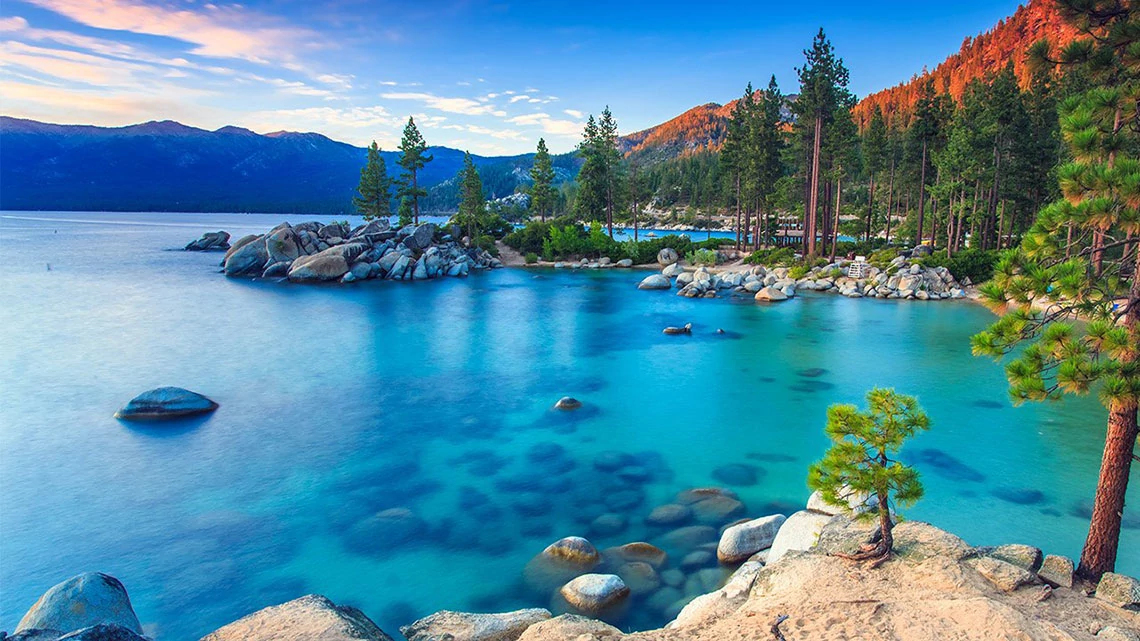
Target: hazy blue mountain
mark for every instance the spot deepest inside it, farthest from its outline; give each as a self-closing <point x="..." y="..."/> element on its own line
<point x="168" y="166"/>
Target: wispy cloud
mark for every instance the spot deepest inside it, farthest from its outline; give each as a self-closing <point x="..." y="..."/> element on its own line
<point x="574" y="113"/>
<point x="549" y="124"/>
<point x="465" y="106"/>
<point x="214" y="30"/>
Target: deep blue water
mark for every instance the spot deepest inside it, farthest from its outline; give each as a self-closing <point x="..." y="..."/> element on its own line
<point x="341" y="401"/>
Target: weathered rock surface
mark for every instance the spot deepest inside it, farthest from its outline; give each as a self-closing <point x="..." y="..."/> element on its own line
<point x="568" y="403"/>
<point x="465" y="626"/>
<point x="561" y="561"/>
<point x="770" y="294"/>
<point x="1006" y="577"/>
<point x="800" y="531"/>
<point x="322" y="266"/>
<point x="667" y="256"/>
<point x="741" y="541"/>
<point x="1057" y="571"/>
<point x="101" y="632"/>
<point x="570" y="627"/>
<point x="1119" y="590"/>
<point x="165" y="403"/>
<point x="80" y="602"/>
<point x="304" y="619"/>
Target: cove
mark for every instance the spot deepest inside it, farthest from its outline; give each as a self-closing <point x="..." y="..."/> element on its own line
<point x="341" y="402"/>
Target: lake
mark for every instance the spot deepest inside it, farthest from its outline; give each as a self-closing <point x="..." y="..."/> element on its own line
<point x="434" y="399"/>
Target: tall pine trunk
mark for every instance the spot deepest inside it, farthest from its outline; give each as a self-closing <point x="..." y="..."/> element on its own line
<point x="415" y="199"/>
<point x="921" y="196"/>
<point x="890" y="198"/>
<point x="814" y="195"/>
<point x="870" y="207"/>
<point x="738" y="211"/>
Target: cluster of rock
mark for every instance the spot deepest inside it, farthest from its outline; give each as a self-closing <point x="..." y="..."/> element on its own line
<point x="600" y="263"/>
<point x="937" y="587"/>
<point x="314" y="252"/>
<point x="210" y="241"/>
<point x="901" y="279"/>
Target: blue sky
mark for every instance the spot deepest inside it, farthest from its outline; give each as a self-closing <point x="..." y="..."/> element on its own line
<point x="490" y="77"/>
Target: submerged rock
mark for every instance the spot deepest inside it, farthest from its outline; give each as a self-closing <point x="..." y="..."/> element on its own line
<point x="568" y="403"/>
<point x="80" y="602"/>
<point x="594" y="594"/>
<point x="561" y="561"/>
<point x="465" y="626"/>
<point x="686" y="329"/>
<point x="304" y="619"/>
<point x="166" y="402"/>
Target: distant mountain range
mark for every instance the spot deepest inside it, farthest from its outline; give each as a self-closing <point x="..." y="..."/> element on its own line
<point x="167" y="166"/>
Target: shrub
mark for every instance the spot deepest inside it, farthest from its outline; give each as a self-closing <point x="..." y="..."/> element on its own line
<point x="531" y="258"/>
<point x="799" y="271"/>
<point x="772" y="257"/>
<point x="529" y="238"/>
<point x="883" y="257"/>
<point x="706" y="257"/>
<point x="975" y="264"/>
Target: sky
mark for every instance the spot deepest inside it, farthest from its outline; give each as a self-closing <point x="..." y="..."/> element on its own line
<point x="487" y="77"/>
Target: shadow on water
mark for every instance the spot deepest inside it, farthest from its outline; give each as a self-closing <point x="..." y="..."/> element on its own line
<point x="1019" y="495"/>
<point x="811" y="386"/>
<point x="943" y="465"/>
<point x="989" y="405"/>
<point x="167" y="428"/>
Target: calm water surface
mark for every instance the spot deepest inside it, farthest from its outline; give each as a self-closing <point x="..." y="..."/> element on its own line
<point x="341" y="401"/>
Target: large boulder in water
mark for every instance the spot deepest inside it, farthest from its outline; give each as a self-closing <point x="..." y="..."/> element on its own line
<point x="595" y="594"/>
<point x="421" y="236"/>
<point x="248" y="260"/>
<point x="466" y="626"/>
<point x="561" y="561"/>
<point x="304" y="619"/>
<point x="742" y="540"/>
<point x="655" y="281"/>
<point x="166" y="402"/>
<point x="82" y="601"/>
<point x="329" y="264"/>
<point x="282" y="245"/>
<point x="211" y="240"/>
<point x="238" y="244"/>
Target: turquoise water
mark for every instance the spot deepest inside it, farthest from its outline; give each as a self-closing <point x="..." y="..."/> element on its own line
<point x="341" y="401"/>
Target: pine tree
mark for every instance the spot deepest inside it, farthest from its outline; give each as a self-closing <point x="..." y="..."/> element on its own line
<point x="861" y="462"/>
<point x="1081" y="259"/>
<point x="404" y="213"/>
<point x="472" y="203"/>
<point x="589" y="202"/>
<point x="412" y="159"/>
<point x="874" y="158"/>
<point x="924" y="131"/>
<point x="542" y="194"/>
<point x="767" y="145"/>
<point x="734" y="153"/>
<point x="611" y="163"/>
<point x="823" y="87"/>
<point x="372" y="203"/>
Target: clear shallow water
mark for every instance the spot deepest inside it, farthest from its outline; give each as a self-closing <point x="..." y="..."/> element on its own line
<point x="338" y="402"/>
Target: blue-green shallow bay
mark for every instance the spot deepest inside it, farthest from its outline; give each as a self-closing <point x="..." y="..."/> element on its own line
<point x="341" y="401"/>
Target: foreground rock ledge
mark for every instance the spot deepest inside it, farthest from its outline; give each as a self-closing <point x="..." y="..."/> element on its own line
<point x="305" y="619"/>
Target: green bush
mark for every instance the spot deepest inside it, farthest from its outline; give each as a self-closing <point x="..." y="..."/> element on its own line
<point x="531" y="258"/>
<point x="706" y="257"/>
<point x="772" y="257"/>
<point x="528" y="239"/>
<point x="883" y="257"/>
<point x="798" y="272"/>
<point x="975" y="264"/>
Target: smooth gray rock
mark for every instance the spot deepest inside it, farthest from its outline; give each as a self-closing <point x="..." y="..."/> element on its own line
<point x="282" y="245"/>
<point x="568" y="403"/>
<point x="165" y="402"/>
<point x="1006" y="577"/>
<point x="241" y="242"/>
<point x="741" y="541"/>
<point x="655" y="281"/>
<point x="799" y="532"/>
<point x="80" y="602"/>
<point x="466" y="626"/>
<point x="326" y="265"/>
<point x="594" y="594"/>
<point x="103" y="632"/>
<point x="667" y="256"/>
<point x="248" y="260"/>
<point x="308" y="618"/>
